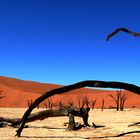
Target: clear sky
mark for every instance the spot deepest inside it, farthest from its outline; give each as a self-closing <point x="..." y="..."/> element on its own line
<point x="63" y="41"/>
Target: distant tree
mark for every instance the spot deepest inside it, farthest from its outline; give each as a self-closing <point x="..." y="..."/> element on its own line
<point x="93" y="102"/>
<point x="85" y="101"/>
<point x="116" y="99"/>
<point x="46" y="104"/>
<point x="29" y="102"/>
<point x="49" y="103"/>
<point x="122" y="101"/>
<point x="60" y="105"/>
<point x="119" y="100"/>
<point x="103" y="102"/>
<point x="70" y="102"/>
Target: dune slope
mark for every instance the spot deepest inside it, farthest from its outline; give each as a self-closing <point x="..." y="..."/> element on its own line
<point x="17" y="92"/>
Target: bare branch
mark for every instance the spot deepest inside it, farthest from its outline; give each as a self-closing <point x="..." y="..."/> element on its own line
<point x="93" y="102"/>
<point x="113" y="97"/>
<point x="124" y="30"/>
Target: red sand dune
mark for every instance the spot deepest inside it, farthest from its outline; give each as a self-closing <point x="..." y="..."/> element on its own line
<point x="17" y="92"/>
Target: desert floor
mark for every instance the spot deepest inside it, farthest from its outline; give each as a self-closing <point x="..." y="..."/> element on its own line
<point x="114" y="122"/>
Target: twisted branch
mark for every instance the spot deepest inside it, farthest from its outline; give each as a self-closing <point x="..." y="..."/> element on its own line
<point x="124" y="30"/>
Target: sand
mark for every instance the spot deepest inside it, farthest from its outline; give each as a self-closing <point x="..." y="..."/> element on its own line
<point x="114" y="122"/>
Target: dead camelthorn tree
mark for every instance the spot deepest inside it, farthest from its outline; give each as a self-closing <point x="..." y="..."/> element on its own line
<point x="103" y="103"/>
<point x="29" y="102"/>
<point x="70" y="103"/>
<point x="119" y="100"/>
<point x="88" y="83"/>
<point x="50" y="103"/>
<point x="93" y="102"/>
<point x="45" y="105"/>
<point x="85" y="101"/>
<point x="41" y="115"/>
<point x="60" y="105"/>
<point x="116" y="99"/>
<point x="124" y="30"/>
<point x="122" y="101"/>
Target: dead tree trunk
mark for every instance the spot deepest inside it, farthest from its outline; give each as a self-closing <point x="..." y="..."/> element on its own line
<point x="117" y="99"/>
<point x="85" y="115"/>
<point x="93" y="102"/>
<point x="103" y="102"/>
<point x="122" y="101"/>
<point x="99" y="84"/>
<point x="41" y="115"/>
<point x="71" y="124"/>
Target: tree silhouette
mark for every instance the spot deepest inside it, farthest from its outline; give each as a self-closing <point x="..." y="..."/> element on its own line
<point x="93" y="102"/>
<point x="103" y="103"/>
<point x="117" y="100"/>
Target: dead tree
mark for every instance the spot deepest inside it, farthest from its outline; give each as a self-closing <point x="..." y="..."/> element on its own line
<point x="88" y="83"/>
<point x="122" y="101"/>
<point x="41" y="115"/>
<point x="93" y="102"/>
<point x="135" y="34"/>
<point x="60" y="105"/>
<point x="103" y="102"/>
<point x="117" y="99"/>
<point x="50" y="103"/>
<point x="79" y="102"/>
<point x="29" y="102"/>
<point x="35" y="116"/>
<point x="46" y="105"/>
<point x="85" y="101"/>
<point x="70" y="103"/>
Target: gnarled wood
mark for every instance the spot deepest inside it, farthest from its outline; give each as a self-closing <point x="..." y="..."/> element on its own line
<point x="124" y="30"/>
<point x="41" y="115"/>
<point x="90" y="83"/>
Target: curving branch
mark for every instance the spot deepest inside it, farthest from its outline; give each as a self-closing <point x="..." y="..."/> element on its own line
<point x="124" y="30"/>
<point x="89" y="83"/>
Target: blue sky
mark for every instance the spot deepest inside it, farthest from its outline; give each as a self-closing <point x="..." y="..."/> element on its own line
<point x="63" y="41"/>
